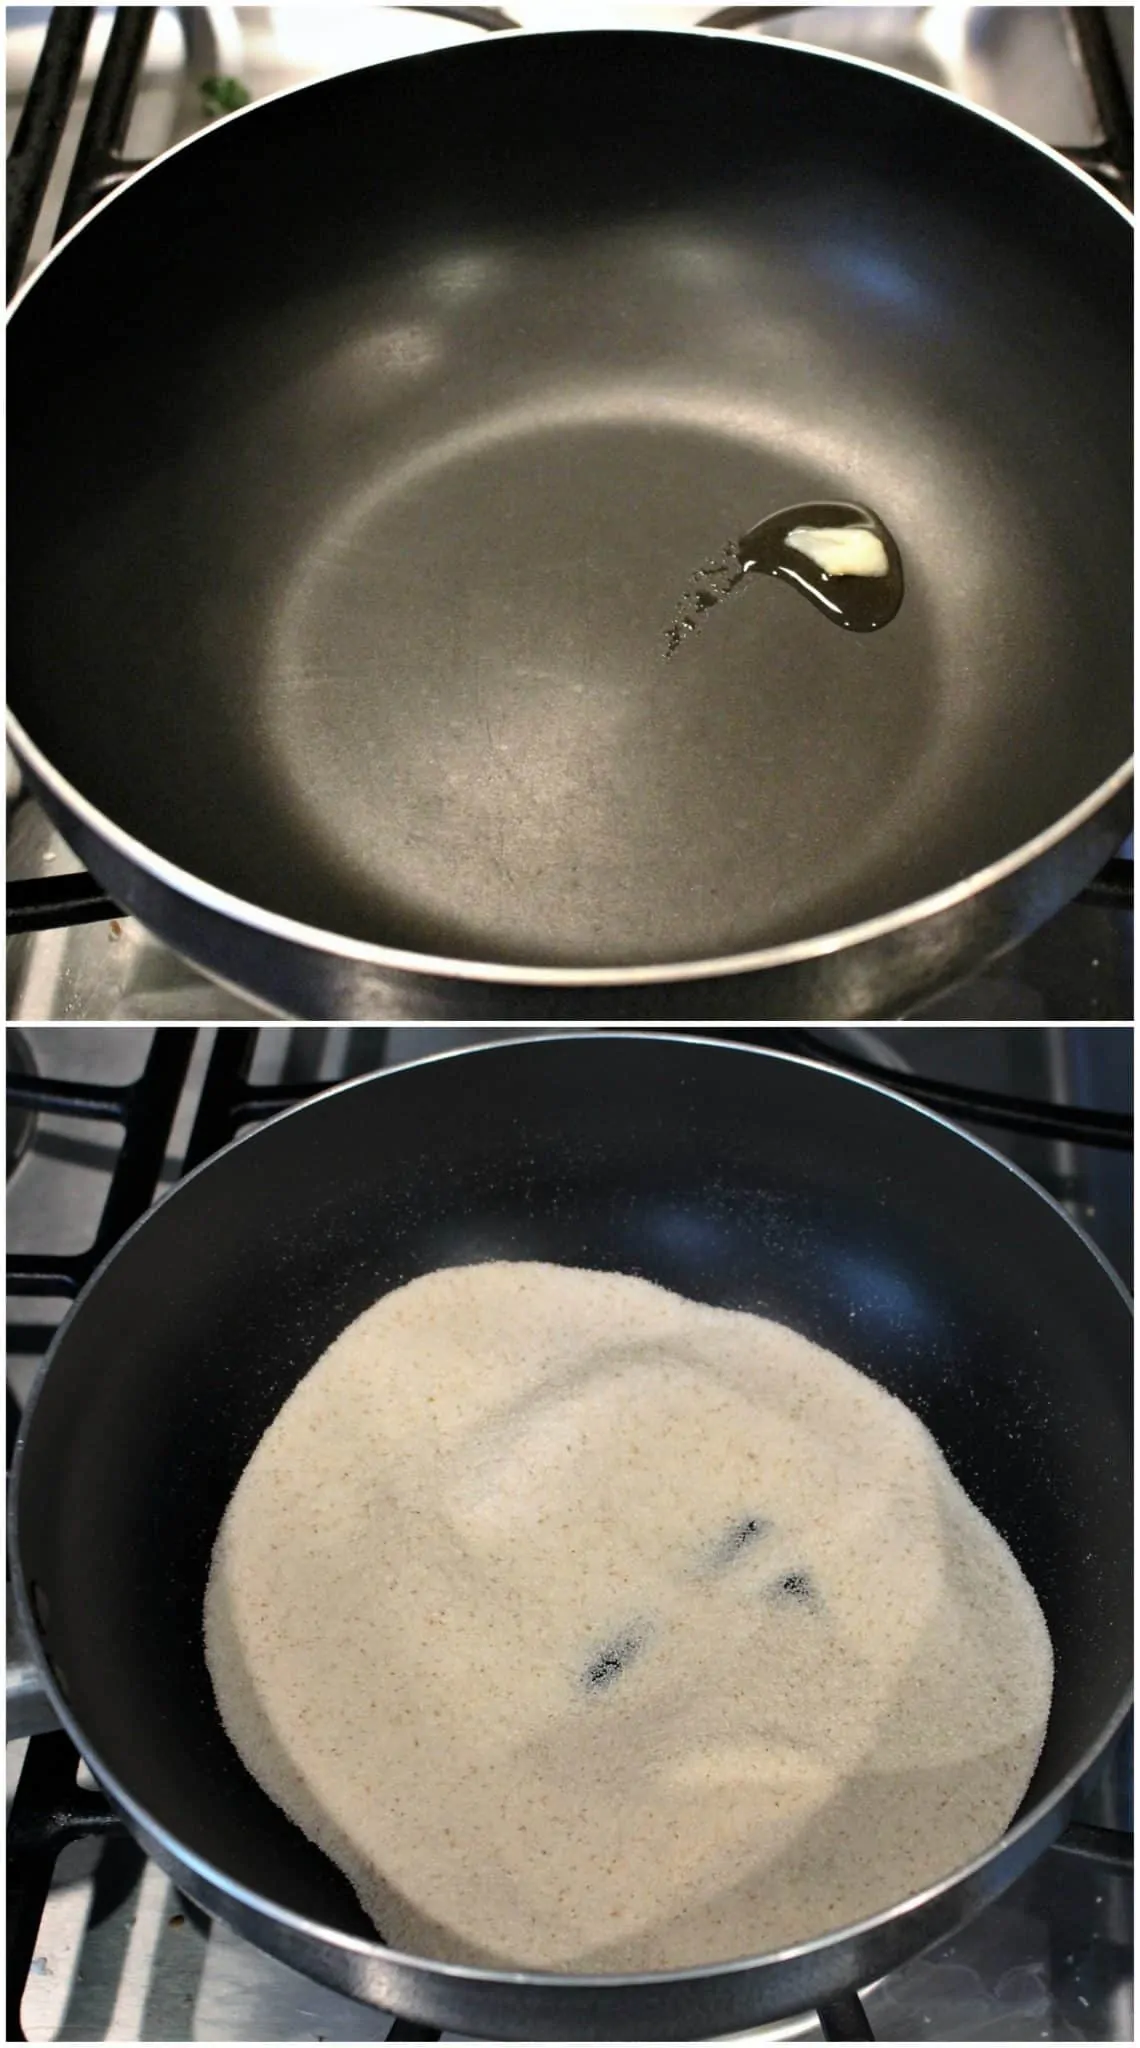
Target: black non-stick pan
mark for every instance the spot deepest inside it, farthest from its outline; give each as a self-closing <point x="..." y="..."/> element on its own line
<point x="362" y="451"/>
<point x="741" y="1178"/>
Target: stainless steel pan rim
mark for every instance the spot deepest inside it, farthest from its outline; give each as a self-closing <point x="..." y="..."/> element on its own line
<point x="1044" y="1820"/>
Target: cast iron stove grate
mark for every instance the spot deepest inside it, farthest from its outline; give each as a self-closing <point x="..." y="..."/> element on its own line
<point x="50" y="902"/>
<point x="50" y="1809"/>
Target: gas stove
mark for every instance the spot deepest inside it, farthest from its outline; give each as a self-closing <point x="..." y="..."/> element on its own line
<point x="101" y="1946"/>
<point x="1062" y="73"/>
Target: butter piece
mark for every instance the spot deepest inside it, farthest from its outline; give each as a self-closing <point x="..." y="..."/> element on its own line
<point x="841" y="550"/>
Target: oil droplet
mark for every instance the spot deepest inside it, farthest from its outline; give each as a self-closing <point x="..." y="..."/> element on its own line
<point x="840" y="557"/>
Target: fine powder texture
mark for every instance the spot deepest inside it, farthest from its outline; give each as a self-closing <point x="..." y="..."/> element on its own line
<point x="590" y="1628"/>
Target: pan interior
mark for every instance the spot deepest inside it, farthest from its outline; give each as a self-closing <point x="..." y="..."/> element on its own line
<point x="342" y="577"/>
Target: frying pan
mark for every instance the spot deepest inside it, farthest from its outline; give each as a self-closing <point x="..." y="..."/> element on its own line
<point x="363" y="447"/>
<point x="747" y="1179"/>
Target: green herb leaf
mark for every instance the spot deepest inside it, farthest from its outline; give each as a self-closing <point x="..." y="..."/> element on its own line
<point x="223" y="96"/>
